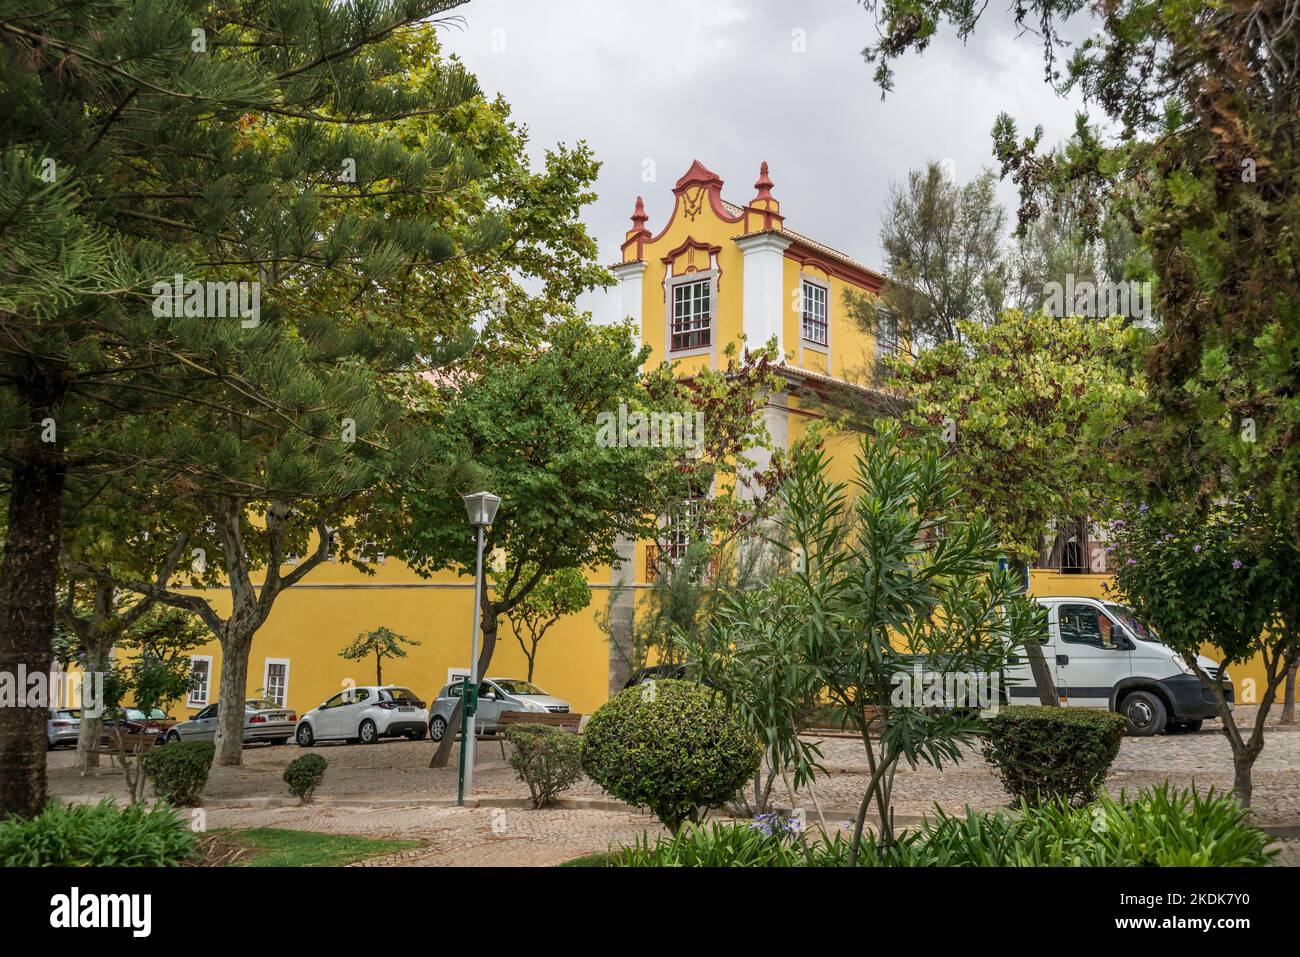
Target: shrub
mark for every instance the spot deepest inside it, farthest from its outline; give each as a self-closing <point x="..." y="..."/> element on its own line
<point x="1046" y="754"/>
<point x="1159" y="828"/>
<point x="671" y="746"/>
<point x="304" y="775"/>
<point x="547" y="759"/>
<point x="100" y="835"/>
<point x="180" y="771"/>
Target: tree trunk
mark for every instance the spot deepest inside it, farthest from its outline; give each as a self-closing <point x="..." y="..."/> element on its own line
<point x="89" y="731"/>
<point x="1044" y="683"/>
<point x="1242" y="763"/>
<point x="28" y="579"/>
<point x="442" y="756"/>
<point x="230" y="694"/>
<point x="379" y="670"/>
<point x="1288" y="697"/>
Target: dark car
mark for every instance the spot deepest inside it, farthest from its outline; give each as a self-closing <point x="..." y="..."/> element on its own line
<point x="133" y="721"/>
<point x="680" y="672"/>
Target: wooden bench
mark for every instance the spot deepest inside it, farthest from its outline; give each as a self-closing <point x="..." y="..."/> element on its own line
<point x="569" y="721"/>
<point x="132" y="745"/>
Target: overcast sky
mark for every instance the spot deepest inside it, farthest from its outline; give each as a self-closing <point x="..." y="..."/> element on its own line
<point x="668" y="81"/>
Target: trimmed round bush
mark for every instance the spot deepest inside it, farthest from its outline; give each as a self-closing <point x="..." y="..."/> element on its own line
<point x="304" y="775"/>
<point x="179" y="771"/>
<point x="670" y="746"/>
<point x="547" y="759"/>
<point x="1044" y="755"/>
<point x="100" y="835"/>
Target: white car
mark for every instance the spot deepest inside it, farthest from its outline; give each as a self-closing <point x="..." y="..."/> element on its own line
<point x="366" y="714"/>
<point x="495" y="695"/>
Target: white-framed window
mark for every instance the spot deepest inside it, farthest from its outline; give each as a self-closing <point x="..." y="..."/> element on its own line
<point x="372" y="553"/>
<point x="201" y="672"/>
<point x="332" y="544"/>
<point x="680" y="528"/>
<point x="886" y="340"/>
<point x="815" y="325"/>
<point x="692" y="315"/>
<point x="275" y="680"/>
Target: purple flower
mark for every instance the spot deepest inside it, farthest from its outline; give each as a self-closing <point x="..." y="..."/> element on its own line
<point x="1197" y="549"/>
<point x="1236" y="563"/>
<point x="1143" y="508"/>
<point x="1131" y="561"/>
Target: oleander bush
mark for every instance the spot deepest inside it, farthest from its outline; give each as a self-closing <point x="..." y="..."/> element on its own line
<point x="100" y="835"/>
<point x="303" y="775"/>
<point x="548" y="760"/>
<point x="1044" y="755"/>
<point x="179" y="771"/>
<point x="671" y="746"/>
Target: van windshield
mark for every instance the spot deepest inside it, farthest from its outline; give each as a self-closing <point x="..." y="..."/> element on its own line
<point x="1126" y="618"/>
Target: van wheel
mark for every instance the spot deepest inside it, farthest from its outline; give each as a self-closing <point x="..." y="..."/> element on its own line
<point x="1145" y="714"/>
<point x="368" y="733"/>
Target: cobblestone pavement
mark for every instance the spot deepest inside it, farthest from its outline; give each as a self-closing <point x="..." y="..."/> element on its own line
<point x="365" y="788"/>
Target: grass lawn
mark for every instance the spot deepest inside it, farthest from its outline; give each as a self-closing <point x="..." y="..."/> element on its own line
<point x="277" y="847"/>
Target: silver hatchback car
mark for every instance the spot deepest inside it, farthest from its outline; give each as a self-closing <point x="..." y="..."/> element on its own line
<point x="263" y="721"/>
<point x="63" y="726"/>
<point x="495" y="695"/>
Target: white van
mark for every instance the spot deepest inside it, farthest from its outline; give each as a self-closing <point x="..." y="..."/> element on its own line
<point x="1103" y="657"/>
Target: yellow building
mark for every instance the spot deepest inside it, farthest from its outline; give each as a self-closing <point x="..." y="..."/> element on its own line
<point x="716" y="273"/>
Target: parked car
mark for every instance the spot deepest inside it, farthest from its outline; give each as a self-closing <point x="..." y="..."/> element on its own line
<point x="63" y="726"/>
<point x="365" y="714"/>
<point x="494" y="696"/>
<point x="1102" y="656"/>
<point x="682" y="672"/>
<point x="263" y="721"/>
<point x="132" y="721"/>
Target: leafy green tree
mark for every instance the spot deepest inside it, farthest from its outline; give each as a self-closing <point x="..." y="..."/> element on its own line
<point x="1202" y="98"/>
<point x="1224" y="577"/>
<point x="383" y="643"/>
<point x="329" y="154"/>
<point x="1030" y="408"/>
<point x="885" y="575"/>
<point x="561" y="593"/>
<point x="944" y="257"/>
<point x="530" y="418"/>
<point x="136" y="147"/>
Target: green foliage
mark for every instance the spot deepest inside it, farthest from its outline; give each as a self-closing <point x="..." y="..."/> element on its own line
<point x="548" y="760"/>
<point x="877" y="575"/>
<point x="1224" y="576"/>
<point x="1031" y="404"/>
<point x="563" y="592"/>
<point x="672" y="746"/>
<point x="1161" y="827"/>
<point x="383" y="643"/>
<point x="943" y="252"/>
<point x="304" y="775"/>
<point x="103" y="835"/>
<point x="179" y="771"/>
<point x="1044" y="755"/>
<point x="281" y="847"/>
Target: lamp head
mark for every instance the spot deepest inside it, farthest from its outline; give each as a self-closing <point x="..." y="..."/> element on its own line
<point x="481" y="507"/>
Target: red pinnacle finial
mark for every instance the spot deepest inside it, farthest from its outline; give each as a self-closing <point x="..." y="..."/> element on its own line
<point x="764" y="184"/>
<point x="638" y="215"/>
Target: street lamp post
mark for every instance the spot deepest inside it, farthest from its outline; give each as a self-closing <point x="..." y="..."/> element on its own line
<point x="481" y="508"/>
